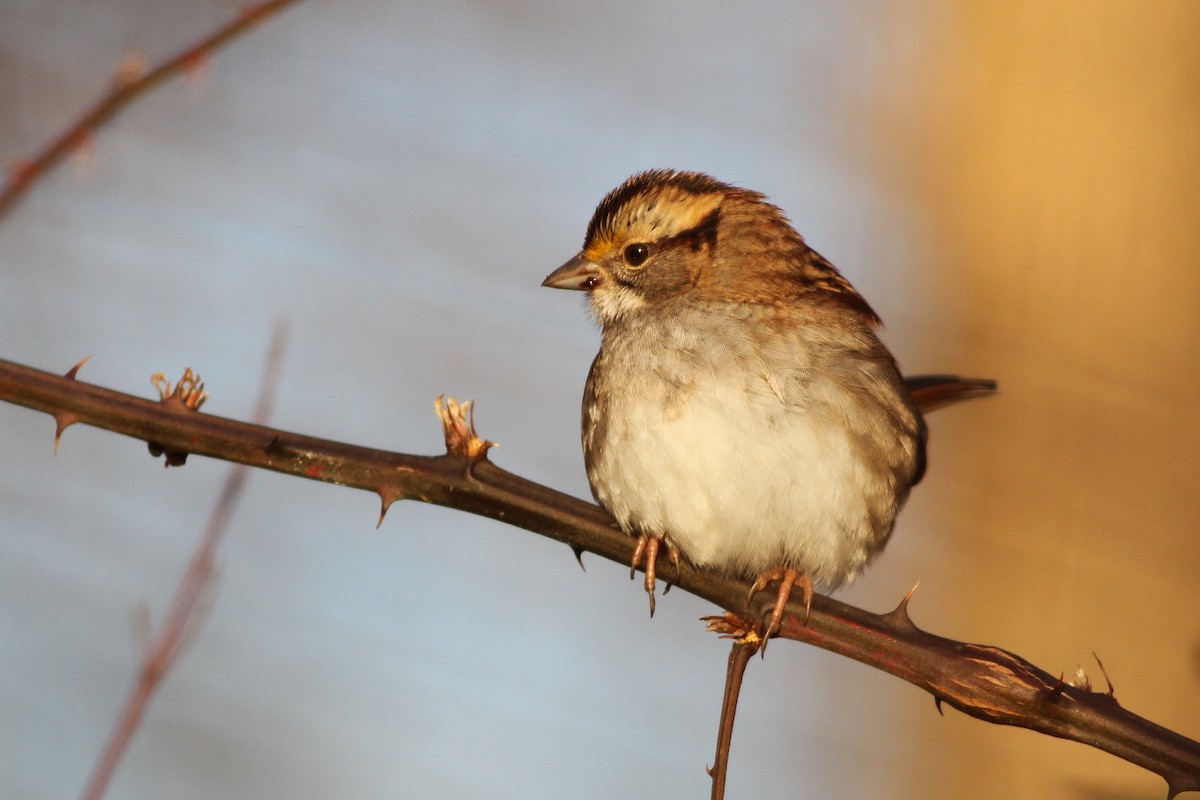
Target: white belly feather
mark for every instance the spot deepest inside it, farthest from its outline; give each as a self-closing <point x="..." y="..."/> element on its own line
<point x="743" y="469"/>
<point x="737" y="489"/>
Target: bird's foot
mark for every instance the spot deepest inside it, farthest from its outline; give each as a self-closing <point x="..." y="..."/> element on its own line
<point x="788" y="579"/>
<point x="645" y="554"/>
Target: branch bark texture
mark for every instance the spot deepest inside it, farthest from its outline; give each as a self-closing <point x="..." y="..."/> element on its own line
<point x="985" y="682"/>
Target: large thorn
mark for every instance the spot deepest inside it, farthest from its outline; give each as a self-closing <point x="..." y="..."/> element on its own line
<point x="898" y="616"/>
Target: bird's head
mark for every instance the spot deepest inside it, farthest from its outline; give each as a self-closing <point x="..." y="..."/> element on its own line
<point x="665" y="234"/>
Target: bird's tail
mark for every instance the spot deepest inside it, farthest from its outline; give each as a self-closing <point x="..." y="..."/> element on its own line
<point x="934" y="391"/>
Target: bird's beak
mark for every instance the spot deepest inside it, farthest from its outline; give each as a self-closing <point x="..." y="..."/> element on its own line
<point x="578" y="273"/>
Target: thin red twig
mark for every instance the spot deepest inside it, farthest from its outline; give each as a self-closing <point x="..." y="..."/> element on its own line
<point x="193" y="588"/>
<point x="23" y="174"/>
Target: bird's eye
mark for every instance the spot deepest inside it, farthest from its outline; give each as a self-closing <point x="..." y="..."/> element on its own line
<point x="636" y="254"/>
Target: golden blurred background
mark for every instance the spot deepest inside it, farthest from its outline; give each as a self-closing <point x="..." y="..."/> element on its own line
<point x="1052" y="153"/>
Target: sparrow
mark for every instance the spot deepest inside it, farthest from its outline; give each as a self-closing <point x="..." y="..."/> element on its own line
<point x="741" y="410"/>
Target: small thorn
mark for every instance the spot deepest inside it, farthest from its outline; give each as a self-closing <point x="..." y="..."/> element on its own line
<point x="578" y="551"/>
<point x="73" y="370"/>
<point x="937" y="703"/>
<point x="1059" y="686"/>
<point x="386" y="498"/>
<point x="708" y="770"/>
<point x="1104" y="672"/>
<point x="669" y="585"/>
<point x="62" y="421"/>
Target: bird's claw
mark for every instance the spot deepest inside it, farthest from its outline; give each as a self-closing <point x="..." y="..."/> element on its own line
<point x="788" y="579"/>
<point x="645" y="555"/>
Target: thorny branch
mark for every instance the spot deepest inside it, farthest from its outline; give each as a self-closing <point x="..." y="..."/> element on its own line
<point x="130" y="83"/>
<point x="985" y="682"/>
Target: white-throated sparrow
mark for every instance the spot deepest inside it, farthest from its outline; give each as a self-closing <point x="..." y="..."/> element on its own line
<point x="741" y="409"/>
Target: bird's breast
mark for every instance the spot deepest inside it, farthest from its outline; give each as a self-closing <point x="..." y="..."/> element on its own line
<point x="732" y="450"/>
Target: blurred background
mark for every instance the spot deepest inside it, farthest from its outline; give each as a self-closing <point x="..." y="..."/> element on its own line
<point x="1014" y="187"/>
